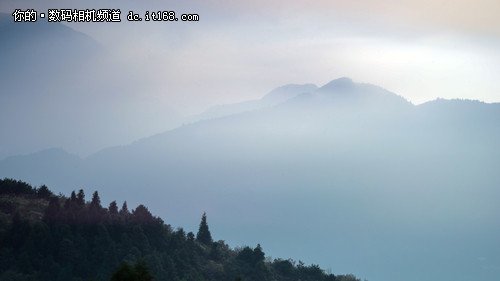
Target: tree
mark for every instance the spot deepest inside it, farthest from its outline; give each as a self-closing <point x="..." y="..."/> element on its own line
<point x="139" y="272"/>
<point x="284" y="267"/>
<point x="53" y="210"/>
<point x="44" y="192"/>
<point x="246" y="255"/>
<point x="142" y="271"/>
<point x="203" y="235"/>
<point x="124" y="210"/>
<point x="113" y="208"/>
<point x="252" y="257"/>
<point x="142" y="215"/>
<point x="258" y="254"/>
<point x="96" y="201"/>
<point x="96" y="212"/>
<point x="11" y="186"/>
<point x="80" y="198"/>
<point x="73" y="197"/>
<point x="124" y="273"/>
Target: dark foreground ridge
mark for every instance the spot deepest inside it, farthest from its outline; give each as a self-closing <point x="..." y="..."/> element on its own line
<point x="48" y="237"/>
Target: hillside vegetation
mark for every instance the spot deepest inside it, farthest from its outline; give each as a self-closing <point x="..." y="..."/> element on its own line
<point x="48" y="237"/>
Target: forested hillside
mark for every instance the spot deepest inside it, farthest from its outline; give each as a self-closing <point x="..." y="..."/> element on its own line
<point x="49" y="237"/>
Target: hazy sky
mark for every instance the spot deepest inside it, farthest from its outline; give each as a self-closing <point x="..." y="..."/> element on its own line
<point x="242" y="49"/>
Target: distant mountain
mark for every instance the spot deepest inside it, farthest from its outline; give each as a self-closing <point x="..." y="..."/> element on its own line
<point x="40" y="53"/>
<point x="345" y="90"/>
<point x="61" y="88"/>
<point x="274" y="97"/>
<point x="44" y="96"/>
<point x="334" y="94"/>
<point x="347" y="168"/>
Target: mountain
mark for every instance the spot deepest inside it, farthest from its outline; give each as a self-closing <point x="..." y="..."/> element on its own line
<point x="347" y="168"/>
<point x="39" y="52"/>
<point x="336" y="93"/>
<point x="61" y="88"/>
<point x="275" y="97"/>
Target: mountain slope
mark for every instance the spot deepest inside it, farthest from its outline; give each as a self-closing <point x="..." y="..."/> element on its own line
<point x="71" y="239"/>
<point x="347" y="168"/>
<point x="61" y="88"/>
<point x="276" y="96"/>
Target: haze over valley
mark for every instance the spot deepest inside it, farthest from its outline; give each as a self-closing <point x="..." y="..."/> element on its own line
<point x="363" y="138"/>
<point x="344" y="168"/>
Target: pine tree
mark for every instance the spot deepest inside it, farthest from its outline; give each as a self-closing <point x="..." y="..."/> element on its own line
<point x="142" y="215"/>
<point x="96" y="201"/>
<point x="258" y="254"/>
<point x="124" y="210"/>
<point x="73" y="197"/>
<point x="203" y="235"/>
<point x="96" y="211"/>
<point x="80" y="198"/>
<point x="44" y="192"/>
<point x="113" y="208"/>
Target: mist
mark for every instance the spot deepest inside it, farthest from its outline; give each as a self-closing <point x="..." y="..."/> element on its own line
<point x="349" y="176"/>
<point x="363" y="138"/>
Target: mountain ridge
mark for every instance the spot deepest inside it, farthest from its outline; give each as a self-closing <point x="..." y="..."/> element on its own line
<point x="291" y="98"/>
<point x="379" y="176"/>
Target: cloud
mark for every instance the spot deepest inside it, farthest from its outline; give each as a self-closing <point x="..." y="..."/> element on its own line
<point x="459" y="16"/>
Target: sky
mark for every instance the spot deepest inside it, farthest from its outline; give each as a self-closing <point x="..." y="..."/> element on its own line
<point x="241" y="50"/>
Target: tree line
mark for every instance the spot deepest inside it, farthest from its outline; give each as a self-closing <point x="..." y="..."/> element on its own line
<point x="79" y="240"/>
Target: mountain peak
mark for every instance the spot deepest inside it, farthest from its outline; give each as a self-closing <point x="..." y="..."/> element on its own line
<point x="285" y="92"/>
<point x="342" y="83"/>
<point x="342" y="80"/>
<point x="346" y="90"/>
